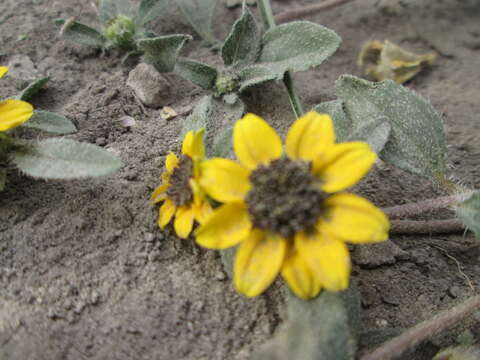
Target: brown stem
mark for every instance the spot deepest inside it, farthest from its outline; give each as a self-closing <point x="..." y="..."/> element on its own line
<point x="410" y="338"/>
<point x="426" y="227"/>
<point x="302" y="11"/>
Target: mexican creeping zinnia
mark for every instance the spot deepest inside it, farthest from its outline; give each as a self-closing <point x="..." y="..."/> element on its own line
<point x="180" y="191"/>
<point x="13" y="112"/>
<point x="286" y="210"/>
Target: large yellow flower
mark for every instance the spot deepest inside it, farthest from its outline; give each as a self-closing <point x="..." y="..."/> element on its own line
<point x="180" y="192"/>
<point x="13" y="112"/>
<point x="285" y="210"/>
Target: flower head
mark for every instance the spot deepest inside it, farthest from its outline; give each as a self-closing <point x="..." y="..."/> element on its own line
<point x="286" y="209"/>
<point x="13" y="112"/>
<point x="180" y="191"/>
<point x="121" y="31"/>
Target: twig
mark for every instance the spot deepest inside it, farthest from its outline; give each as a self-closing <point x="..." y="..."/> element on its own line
<point x="459" y="267"/>
<point x="410" y="227"/>
<point x="302" y="11"/>
<point x="410" y="338"/>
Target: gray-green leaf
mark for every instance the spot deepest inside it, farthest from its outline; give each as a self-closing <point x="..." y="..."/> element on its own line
<point x="198" y="73"/>
<point x="255" y="75"/>
<point x="200" y="13"/>
<point x="199" y="117"/>
<point x="162" y="51"/>
<point x="33" y="88"/>
<point x="83" y="34"/>
<point x="64" y="159"/>
<point x="469" y="212"/>
<point x="417" y="139"/>
<point x="375" y="133"/>
<point x="109" y="9"/>
<point x="50" y="122"/>
<point x="149" y="10"/>
<point x="297" y="46"/>
<point x="243" y="43"/>
<point x="341" y="122"/>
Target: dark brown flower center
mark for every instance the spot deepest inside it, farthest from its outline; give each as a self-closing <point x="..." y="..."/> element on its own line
<point x="180" y="191"/>
<point x="285" y="197"/>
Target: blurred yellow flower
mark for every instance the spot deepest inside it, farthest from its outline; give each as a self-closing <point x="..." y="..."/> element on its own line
<point x="285" y="210"/>
<point x="13" y="112"/>
<point x="180" y="192"/>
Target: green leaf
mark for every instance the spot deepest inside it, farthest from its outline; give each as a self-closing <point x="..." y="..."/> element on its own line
<point x="375" y="133"/>
<point x="83" y="34"/>
<point x="64" y="159"/>
<point x="297" y="46"/>
<point x="199" y="117"/>
<point x="50" y="122"/>
<point x="109" y="9"/>
<point x="341" y="122"/>
<point x="228" y="259"/>
<point x="196" y="72"/>
<point x="162" y="51"/>
<point x="199" y="14"/>
<point x="33" y="88"/>
<point x="469" y="212"/>
<point x="417" y="139"/>
<point x="149" y="10"/>
<point x="243" y="43"/>
<point x="255" y="75"/>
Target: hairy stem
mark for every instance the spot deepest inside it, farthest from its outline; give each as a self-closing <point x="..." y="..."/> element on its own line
<point x="411" y="227"/>
<point x="267" y="14"/>
<point x="307" y="10"/>
<point x="397" y="346"/>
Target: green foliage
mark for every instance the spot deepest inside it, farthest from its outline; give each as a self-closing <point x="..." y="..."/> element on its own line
<point x="149" y="10"/>
<point x="469" y="212"/>
<point x="199" y="14"/>
<point x="63" y="159"/>
<point x="50" y="122"/>
<point x="110" y="9"/>
<point x="121" y="32"/>
<point x="33" y="88"/>
<point x="162" y="51"/>
<point x="343" y="125"/>
<point x="198" y="73"/>
<point x="83" y="34"/>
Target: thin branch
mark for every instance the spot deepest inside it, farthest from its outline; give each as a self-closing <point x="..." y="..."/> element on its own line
<point x="308" y="10"/>
<point x="411" y="227"/>
<point x="425" y="330"/>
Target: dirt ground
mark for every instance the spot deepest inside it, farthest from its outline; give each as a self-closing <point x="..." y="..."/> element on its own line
<point x="85" y="273"/>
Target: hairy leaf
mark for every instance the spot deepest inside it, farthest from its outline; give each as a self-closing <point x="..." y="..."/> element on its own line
<point x="149" y="10"/>
<point x="32" y="88"/>
<point x="469" y="212"/>
<point x="109" y="9"/>
<point x="255" y="75"/>
<point x="64" y="159"/>
<point x="198" y="73"/>
<point x="343" y="125"/>
<point x="83" y="34"/>
<point x="417" y="139"/>
<point x="50" y="122"/>
<point x="243" y="43"/>
<point x="162" y="51"/>
<point x="199" y="117"/>
<point x="200" y="13"/>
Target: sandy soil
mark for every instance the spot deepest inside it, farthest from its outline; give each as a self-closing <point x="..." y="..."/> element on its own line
<point x="86" y="274"/>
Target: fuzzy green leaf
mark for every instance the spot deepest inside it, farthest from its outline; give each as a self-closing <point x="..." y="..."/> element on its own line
<point x="243" y="43"/>
<point x="200" y="13"/>
<point x="469" y="212"/>
<point x="417" y="139"/>
<point x="198" y="73"/>
<point x="228" y="259"/>
<point x="83" y="34"/>
<point x="33" y="88"/>
<point x="162" y="51"/>
<point x="255" y="75"/>
<point x="341" y="122"/>
<point x="109" y="9"/>
<point x="50" y="122"/>
<point x="149" y="10"/>
<point x="64" y="159"/>
<point x="199" y="117"/>
<point x="297" y="46"/>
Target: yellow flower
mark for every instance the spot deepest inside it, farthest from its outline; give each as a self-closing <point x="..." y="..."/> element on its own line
<point x="285" y="210"/>
<point x="13" y="112"/>
<point x="180" y="191"/>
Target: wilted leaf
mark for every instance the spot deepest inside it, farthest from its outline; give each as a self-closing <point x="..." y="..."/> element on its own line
<point x="149" y="10"/>
<point x="469" y="212"/>
<point x="33" y="88"/>
<point x="198" y="73"/>
<point x="50" y="122"/>
<point x="162" y="51"/>
<point x="417" y="139"/>
<point x="200" y="13"/>
<point x="64" y="159"/>
<point x="83" y="34"/>
<point x="243" y="43"/>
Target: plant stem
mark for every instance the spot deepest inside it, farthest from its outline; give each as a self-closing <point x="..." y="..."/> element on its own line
<point x="411" y="227"/>
<point x="268" y="20"/>
<point x="410" y="338"/>
<point x="308" y="10"/>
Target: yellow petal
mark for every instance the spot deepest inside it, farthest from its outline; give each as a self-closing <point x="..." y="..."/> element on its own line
<point x="257" y="262"/>
<point x="171" y="162"/>
<point x="300" y="277"/>
<point x="202" y="211"/>
<point x="3" y="71"/>
<point x="14" y="113"/>
<point x="193" y="144"/>
<point x="345" y="164"/>
<point x="310" y="136"/>
<point x="255" y="142"/>
<point x="183" y="221"/>
<point x="354" y="219"/>
<point x="224" y="180"/>
<point x="327" y="257"/>
<point x="159" y="194"/>
<point x="167" y="210"/>
<point x="225" y="227"/>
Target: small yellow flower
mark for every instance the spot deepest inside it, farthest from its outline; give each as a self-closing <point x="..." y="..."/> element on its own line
<point x="285" y="210"/>
<point x="13" y="112"/>
<point x="180" y="191"/>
